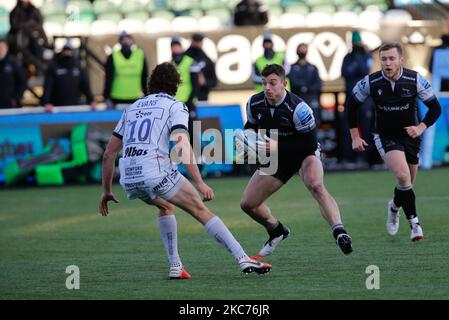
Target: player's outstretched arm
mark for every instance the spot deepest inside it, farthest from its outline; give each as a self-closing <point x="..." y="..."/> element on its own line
<point x="187" y="157"/>
<point x="110" y="154"/>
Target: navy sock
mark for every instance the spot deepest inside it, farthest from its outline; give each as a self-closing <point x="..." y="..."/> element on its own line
<point x="405" y="197"/>
<point x="277" y="231"/>
<point x="338" y="229"/>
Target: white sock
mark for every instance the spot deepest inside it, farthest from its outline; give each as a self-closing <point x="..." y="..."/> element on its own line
<point x="169" y="235"/>
<point x="414" y="220"/>
<point x="218" y="230"/>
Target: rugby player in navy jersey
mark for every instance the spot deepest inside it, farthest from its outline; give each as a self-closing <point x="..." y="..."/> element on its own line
<point x="397" y="134"/>
<point x="289" y="123"/>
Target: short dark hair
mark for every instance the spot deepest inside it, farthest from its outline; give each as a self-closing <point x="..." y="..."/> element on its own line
<point x="391" y="45"/>
<point x="164" y="78"/>
<point x="274" y="68"/>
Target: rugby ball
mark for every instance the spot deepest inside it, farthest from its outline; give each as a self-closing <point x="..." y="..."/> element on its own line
<point x="246" y="144"/>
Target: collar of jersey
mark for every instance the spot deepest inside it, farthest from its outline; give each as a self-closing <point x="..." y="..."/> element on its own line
<point x="399" y="76"/>
<point x="279" y="102"/>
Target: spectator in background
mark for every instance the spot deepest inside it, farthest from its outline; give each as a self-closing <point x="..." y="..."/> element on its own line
<point x="207" y="79"/>
<point x="356" y="65"/>
<point x="65" y="82"/>
<point x="250" y="13"/>
<point x="126" y="73"/>
<point x="269" y="57"/>
<point x="188" y="70"/>
<point x="305" y="81"/>
<point x="12" y="79"/>
<point x="27" y="34"/>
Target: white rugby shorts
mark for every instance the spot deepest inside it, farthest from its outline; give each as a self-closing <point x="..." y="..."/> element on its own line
<point x="165" y="186"/>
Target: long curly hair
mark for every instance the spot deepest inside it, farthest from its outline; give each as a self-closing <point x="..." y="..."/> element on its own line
<point x="164" y="78"/>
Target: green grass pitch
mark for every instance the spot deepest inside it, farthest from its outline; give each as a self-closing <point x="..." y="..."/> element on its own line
<point x="44" y="230"/>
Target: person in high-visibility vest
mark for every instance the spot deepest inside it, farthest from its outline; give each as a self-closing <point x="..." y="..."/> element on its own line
<point x="269" y="57"/>
<point x="188" y="70"/>
<point x="126" y="73"/>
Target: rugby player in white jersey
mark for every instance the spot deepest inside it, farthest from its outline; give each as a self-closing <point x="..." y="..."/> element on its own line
<point x="147" y="172"/>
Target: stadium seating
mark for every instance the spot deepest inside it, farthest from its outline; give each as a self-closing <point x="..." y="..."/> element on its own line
<point x="295" y="7"/>
<point x="101" y="27"/>
<point x="185" y="24"/>
<point x="77" y="28"/>
<point x="221" y="13"/>
<point x="370" y="18"/>
<point x="207" y="23"/>
<point x="110" y="16"/>
<point x="7" y="5"/>
<point x="318" y="19"/>
<point x="136" y="14"/>
<point x="396" y="17"/>
<point x="157" y="25"/>
<point x="104" y="6"/>
<point x="292" y="20"/>
<point x="345" y="18"/>
<point x="131" y="6"/>
<point x="182" y="5"/>
<point x="163" y="13"/>
<point x="53" y="29"/>
<point x="196" y="13"/>
<point x="141" y="16"/>
<point x="131" y="25"/>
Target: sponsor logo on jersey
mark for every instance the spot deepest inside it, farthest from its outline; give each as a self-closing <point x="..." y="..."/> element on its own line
<point x="134" y="186"/>
<point x="161" y="184"/>
<point x="141" y="114"/>
<point x="133" y="171"/>
<point x="406" y="93"/>
<point x="134" y="152"/>
<point x="394" y="108"/>
<point x="363" y="83"/>
<point x="174" y="174"/>
<point x="423" y="82"/>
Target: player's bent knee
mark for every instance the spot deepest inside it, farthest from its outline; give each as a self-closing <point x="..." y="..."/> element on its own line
<point x="316" y="187"/>
<point x="403" y="177"/>
<point x="247" y="206"/>
<point x="166" y="211"/>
